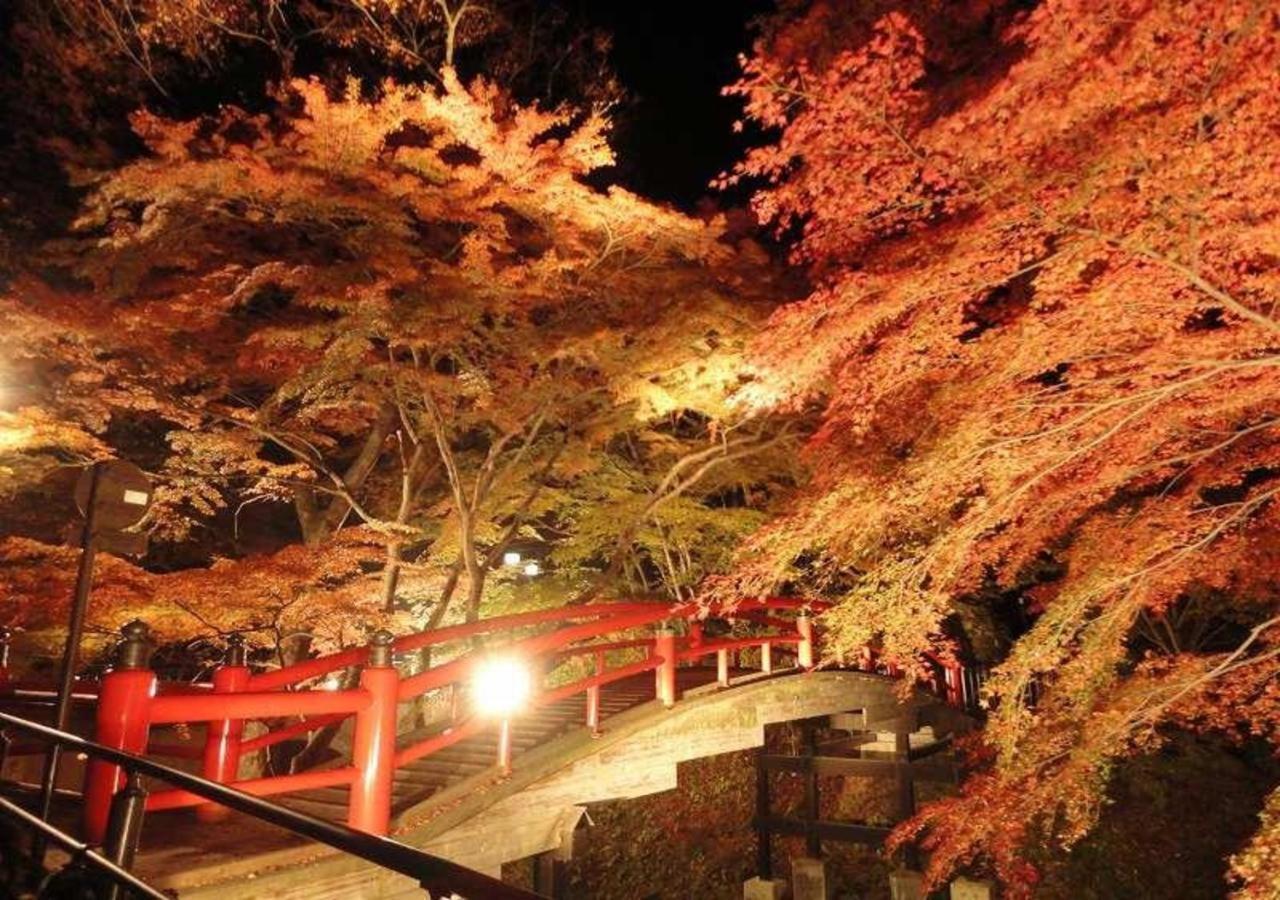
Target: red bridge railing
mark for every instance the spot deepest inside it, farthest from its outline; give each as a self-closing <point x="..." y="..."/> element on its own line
<point x="130" y="700"/>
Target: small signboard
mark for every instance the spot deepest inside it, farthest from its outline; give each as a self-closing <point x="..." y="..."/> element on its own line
<point x="123" y="496"/>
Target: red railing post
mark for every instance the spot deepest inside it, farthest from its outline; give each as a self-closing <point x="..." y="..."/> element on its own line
<point x="954" y="675"/>
<point x="695" y="634"/>
<point x="805" y="649"/>
<point x="766" y="657"/>
<point x="222" y="743"/>
<point x="374" y="742"/>
<point x="664" y="646"/>
<point x="5" y="635"/>
<point x="123" y="723"/>
<point x="722" y="668"/>
<point x="504" y="745"/>
<point x="5" y="741"/>
<point x="593" y="698"/>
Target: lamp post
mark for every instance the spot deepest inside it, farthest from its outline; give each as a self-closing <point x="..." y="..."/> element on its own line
<point x="112" y="496"/>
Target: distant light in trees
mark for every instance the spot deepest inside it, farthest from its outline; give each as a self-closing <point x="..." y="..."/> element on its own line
<point x="511" y="558"/>
<point x="531" y="569"/>
<point x="501" y="685"/>
<point x="14" y="433"/>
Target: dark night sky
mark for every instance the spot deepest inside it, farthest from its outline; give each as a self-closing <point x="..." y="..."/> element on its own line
<point x="674" y="57"/>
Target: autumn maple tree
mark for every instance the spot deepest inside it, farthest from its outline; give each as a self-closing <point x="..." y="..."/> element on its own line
<point x="369" y="338"/>
<point x="372" y="317"/>
<point x="1045" y="245"/>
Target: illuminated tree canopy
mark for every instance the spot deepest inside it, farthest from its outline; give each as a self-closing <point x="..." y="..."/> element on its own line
<point x="388" y="333"/>
<point x="376" y="317"/>
<point x="1043" y="336"/>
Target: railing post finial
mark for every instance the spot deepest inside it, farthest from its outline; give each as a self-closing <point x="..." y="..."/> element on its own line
<point x="134" y="651"/>
<point x="237" y="653"/>
<point x="380" y="649"/>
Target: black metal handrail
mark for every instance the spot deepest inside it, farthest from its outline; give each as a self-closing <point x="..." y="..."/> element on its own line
<point x="81" y="852"/>
<point x="436" y="875"/>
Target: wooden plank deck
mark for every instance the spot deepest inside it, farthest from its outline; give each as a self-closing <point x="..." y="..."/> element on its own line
<point x="457" y="804"/>
<point x="482" y="819"/>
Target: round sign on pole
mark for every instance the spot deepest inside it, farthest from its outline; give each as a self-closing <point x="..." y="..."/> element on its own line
<point x="122" y="498"/>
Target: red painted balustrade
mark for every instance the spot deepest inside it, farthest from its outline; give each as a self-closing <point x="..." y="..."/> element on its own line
<point x="130" y="701"/>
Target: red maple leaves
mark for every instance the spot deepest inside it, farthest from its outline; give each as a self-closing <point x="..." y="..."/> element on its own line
<point x="1045" y="243"/>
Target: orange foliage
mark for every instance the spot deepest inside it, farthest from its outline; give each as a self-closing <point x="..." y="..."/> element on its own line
<point x="298" y="591"/>
<point x="1046" y="248"/>
<point x="401" y="308"/>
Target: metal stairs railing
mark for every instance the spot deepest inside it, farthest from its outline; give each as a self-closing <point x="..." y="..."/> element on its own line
<point x="109" y="868"/>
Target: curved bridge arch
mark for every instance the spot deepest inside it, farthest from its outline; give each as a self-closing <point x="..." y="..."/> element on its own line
<point x="489" y="819"/>
<point x="480" y="790"/>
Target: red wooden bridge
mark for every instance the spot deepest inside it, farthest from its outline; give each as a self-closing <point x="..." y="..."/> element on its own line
<point x="514" y="711"/>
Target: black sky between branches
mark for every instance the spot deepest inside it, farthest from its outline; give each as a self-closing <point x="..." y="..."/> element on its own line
<point x="674" y="57"/>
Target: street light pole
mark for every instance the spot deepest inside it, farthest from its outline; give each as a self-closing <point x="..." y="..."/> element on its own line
<point x="71" y="651"/>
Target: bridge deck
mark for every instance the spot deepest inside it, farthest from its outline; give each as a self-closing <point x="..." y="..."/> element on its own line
<point x="485" y="819"/>
<point x="456" y="801"/>
<point x="175" y="842"/>
<point x="423" y="778"/>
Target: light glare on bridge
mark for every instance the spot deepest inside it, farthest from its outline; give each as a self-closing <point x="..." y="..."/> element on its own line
<point x="501" y="685"/>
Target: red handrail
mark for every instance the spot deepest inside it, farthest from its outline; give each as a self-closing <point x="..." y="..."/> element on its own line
<point x="534" y="646"/>
<point x="259" y="787"/>
<point x="343" y="659"/>
<point x="133" y="705"/>
<point x="446" y="738"/>
<point x="306" y="726"/>
<point x="262" y="704"/>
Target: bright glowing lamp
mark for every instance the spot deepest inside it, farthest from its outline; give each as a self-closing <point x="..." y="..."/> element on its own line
<point x="500" y="686"/>
<point x="511" y="558"/>
<point x="532" y="568"/>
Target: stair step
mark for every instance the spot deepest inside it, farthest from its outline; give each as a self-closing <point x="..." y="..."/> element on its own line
<point x="320" y="811"/>
<point x="519" y="743"/>
<point x="475" y="761"/>
<point x="523" y="737"/>
<point x="419" y="778"/>
<point x="540" y="723"/>
<point x="327" y="796"/>
<point x="414" y="789"/>
<point x="434" y="764"/>
<point x="453" y="768"/>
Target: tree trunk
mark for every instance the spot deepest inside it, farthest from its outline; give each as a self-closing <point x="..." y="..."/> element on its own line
<point x="318" y="520"/>
<point x="475" y="590"/>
